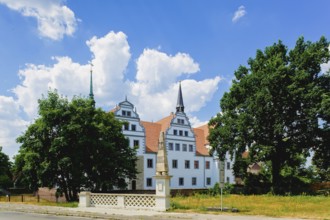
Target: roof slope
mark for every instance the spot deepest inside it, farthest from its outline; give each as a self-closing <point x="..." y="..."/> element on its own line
<point x="201" y="134"/>
<point x="166" y="122"/>
<point x="152" y="132"/>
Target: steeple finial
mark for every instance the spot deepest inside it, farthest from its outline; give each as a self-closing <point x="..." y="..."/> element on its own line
<point x="179" y="104"/>
<point x="91" y="94"/>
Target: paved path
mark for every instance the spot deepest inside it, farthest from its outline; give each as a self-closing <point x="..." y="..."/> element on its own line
<point x="107" y="213"/>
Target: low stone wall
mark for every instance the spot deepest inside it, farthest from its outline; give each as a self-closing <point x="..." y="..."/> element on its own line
<point x="135" y="201"/>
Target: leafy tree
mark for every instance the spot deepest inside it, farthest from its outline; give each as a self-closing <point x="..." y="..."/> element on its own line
<point x="72" y="145"/>
<point x="274" y="108"/>
<point x="5" y="170"/>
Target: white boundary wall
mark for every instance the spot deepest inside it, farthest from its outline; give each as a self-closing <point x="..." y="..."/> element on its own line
<point x="132" y="201"/>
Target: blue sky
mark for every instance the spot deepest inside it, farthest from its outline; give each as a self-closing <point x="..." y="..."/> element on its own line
<point x="139" y="48"/>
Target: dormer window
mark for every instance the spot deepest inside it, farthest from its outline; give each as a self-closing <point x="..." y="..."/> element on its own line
<point x="180" y="121"/>
<point x="126" y="113"/>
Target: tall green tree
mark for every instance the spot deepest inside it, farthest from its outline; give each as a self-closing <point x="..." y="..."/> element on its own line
<point x="275" y="109"/>
<point x="5" y="171"/>
<point x="72" y="145"/>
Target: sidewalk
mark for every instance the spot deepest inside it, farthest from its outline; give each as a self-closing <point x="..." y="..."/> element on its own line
<point x="110" y="213"/>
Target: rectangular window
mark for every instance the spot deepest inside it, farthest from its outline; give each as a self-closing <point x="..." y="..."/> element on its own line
<point x="126" y="126"/>
<point x="187" y="164"/>
<point x="194" y="181"/>
<point x="228" y="180"/>
<point x="207" y="164"/>
<point x="191" y="148"/>
<point x="128" y="113"/>
<point x="181" y="133"/>
<point x="133" y="127"/>
<point x="175" y="132"/>
<point x="177" y="147"/>
<point x="136" y="143"/>
<point x="186" y="133"/>
<point x="196" y="164"/>
<point x="184" y="147"/>
<point x="174" y="164"/>
<point x="150" y="163"/>
<point x="208" y="181"/>
<point x="170" y="146"/>
<point x="228" y="165"/>
<point x="149" y="182"/>
<point x="123" y="113"/>
<point x="181" y="181"/>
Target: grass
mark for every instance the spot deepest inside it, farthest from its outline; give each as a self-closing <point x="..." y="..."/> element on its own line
<point x="30" y="199"/>
<point x="309" y="207"/>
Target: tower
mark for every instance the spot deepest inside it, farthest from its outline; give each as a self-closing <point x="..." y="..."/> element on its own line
<point x="179" y="104"/>
<point x="91" y="94"/>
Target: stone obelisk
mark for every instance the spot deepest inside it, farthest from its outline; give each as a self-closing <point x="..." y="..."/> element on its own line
<point x="162" y="177"/>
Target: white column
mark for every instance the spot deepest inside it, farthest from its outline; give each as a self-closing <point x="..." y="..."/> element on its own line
<point x="163" y="193"/>
<point x="84" y="199"/>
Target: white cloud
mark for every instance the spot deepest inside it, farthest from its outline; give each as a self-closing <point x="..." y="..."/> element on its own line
<point x="154" y="91"/>
<point x="54" y="19"/>
<point x="195" y="122"/>
<point x="156" y="71"/>
<point x="325" y="67"/>
<point x="241" y="12"/>
<point x="111" y="56"/>
<point x="11" y="125"/>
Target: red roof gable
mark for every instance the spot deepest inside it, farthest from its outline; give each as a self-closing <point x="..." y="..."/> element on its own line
<point x="152" y="132"/>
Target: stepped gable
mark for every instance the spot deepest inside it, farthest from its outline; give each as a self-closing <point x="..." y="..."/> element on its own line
<point x="152" y="131"/>
<point x="201" y="134"/>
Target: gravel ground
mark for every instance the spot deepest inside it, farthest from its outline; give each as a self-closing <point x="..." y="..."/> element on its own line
<point x="110" y="213"/>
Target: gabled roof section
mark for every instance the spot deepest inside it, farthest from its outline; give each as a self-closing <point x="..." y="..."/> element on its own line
<point x="152" y="131"/>
<point x="201" y="134"/>
<point x="166" y="122"/>
<point x="126" y="103"/>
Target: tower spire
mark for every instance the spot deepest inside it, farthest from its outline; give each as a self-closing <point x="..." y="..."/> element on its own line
<point x="179" y="104"/>
<point x="91" y="94"/>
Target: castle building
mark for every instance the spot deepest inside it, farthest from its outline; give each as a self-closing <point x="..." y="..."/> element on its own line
<point x="189" y="162"/>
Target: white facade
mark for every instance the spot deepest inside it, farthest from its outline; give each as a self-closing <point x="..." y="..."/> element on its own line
<point x="189" y="163"/>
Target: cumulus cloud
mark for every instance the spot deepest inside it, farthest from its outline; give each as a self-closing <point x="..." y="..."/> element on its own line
<point x="54" y="19"/>
<point x="241" y="12"/>
<point x="156" y="71"/>
<point x="11" y="124"/>
<point x="154" y="90"/>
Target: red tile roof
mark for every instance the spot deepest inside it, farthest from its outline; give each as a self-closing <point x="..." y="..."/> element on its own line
<point x="153" y="129"/>
<point x="201" y="134"/>
<point x="152" y="132"/>
<point x="166" y="122"/>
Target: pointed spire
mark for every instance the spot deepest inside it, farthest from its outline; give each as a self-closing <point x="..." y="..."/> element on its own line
<point x="179" y="104"/>
<point x="91" y="94"/>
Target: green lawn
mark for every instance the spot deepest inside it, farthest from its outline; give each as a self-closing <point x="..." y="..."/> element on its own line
<point x="309" y="207"/>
